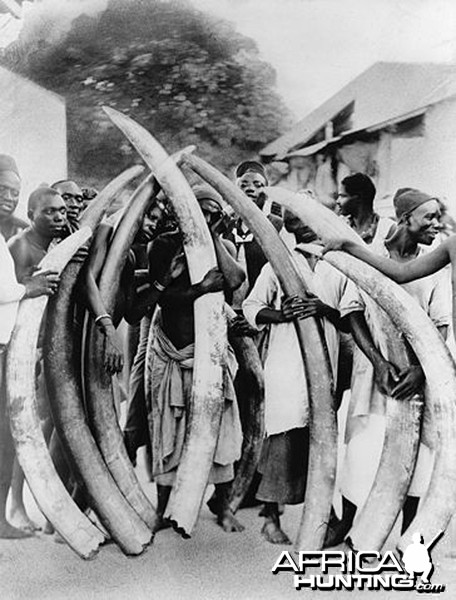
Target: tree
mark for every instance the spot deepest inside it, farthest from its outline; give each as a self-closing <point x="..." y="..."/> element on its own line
<point x="188" y="77"/>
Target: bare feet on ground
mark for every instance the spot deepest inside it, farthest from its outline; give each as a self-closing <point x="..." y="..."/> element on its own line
<point x="20" y="520"/>
<point x="228" y="521"/>
<point x="8" y="532"/>
<point x="273" y="534"/>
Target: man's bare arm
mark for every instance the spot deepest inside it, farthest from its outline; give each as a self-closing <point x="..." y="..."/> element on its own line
<point x="399" y="271"/>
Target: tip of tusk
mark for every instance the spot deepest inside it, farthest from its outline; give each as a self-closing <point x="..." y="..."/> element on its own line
<point x="179" y="156"/>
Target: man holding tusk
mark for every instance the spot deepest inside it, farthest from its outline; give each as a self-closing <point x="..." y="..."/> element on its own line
<point x="47" y="213"/>
<point x="418" y="220"/>
<point x="171" y="367"/>
<point x="333" y="299"/>
<point x="11" y="292"/>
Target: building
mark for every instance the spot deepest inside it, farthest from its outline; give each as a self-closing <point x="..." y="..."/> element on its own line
<point x="33" y="130"/>
<point x="395" y="122"/>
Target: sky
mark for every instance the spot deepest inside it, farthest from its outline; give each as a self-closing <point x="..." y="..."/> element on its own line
<point x="317" y="46"/>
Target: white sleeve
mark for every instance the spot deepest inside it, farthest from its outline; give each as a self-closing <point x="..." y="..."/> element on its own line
<point x="10" y="289"/>
<point x="439" y="308"/>
<point x="263" y="295"/>
<point x="350" y="300"/>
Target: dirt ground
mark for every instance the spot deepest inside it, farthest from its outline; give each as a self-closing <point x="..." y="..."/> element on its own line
<point x="211" y="565"/>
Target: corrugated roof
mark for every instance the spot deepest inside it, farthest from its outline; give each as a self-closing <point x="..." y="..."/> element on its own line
<point x="382" y="93"/>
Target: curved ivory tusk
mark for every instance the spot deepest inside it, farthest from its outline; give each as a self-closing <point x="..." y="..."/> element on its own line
<point x="249" y="364"/>
<point x="438" y="505"/>
<point x="99" y="397"/>
<point x="210" y="331"/>
<point x="63" y="376"/>
<point x="322" y="416"/>
<point x="32" y="452"/>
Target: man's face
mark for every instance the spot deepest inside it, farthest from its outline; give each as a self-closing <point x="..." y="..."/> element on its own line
<point x="423" y="222"/>
<point x="151" y="224"/>
<point x="345" y="203"/>
<point x="50" y="216"/>
<point x="74" y="200"/>
<point x="10" y="186"/>
<point x="252" y="185"/>
<point x="293" y="224"/>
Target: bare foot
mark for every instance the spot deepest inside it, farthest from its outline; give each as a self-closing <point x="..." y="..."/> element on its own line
<point x="8" y="532"/>
<point x="19" y="519"/>
<point x="273" y="534"/>
<point x="228" y="521"/>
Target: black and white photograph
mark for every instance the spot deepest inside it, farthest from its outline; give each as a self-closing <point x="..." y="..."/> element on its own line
<point x="227" y="299"/>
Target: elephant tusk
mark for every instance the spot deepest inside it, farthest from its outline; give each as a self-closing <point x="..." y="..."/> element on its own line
<point x="210" y="332"/>
<point x="32" y="452"/>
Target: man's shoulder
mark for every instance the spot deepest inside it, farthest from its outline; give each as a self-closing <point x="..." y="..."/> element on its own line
<point x="19" y="240"/>
<point x="19" y="224"/>
<point x="12" y="227"/>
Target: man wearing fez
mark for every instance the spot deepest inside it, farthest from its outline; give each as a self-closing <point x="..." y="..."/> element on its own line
<point x="10" y="187"/>
<point x="418" y="220"/>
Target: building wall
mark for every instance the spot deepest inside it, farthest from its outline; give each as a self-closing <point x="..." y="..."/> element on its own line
<point x="33" y="131"/>
<point x="428" y="162"/>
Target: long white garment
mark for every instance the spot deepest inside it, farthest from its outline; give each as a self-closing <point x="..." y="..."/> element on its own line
<point x="366" y="421"/>
<point x="286" y="396"/>
<point x="11" y="292"/>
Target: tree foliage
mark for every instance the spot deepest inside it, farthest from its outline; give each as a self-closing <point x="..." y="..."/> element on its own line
<point x="188" y="77"/>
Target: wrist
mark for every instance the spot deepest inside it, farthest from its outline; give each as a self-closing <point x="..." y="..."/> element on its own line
<point x="160" y="286"/>
<point x="281" y="317"/>
<point x="104" y="322"/>
<point x="198" y="289"/>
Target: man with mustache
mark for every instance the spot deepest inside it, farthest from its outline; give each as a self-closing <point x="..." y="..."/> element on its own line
<point x="10" y="187"/>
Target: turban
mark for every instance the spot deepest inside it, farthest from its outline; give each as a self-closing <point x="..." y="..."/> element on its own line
<point x="250" y="165"/>
<point x="407" y="199"/>
<point x="7" y="163"/>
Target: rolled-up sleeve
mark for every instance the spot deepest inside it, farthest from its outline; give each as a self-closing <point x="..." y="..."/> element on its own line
<point x="264" y="294"/>
<point x="350" y="300"/>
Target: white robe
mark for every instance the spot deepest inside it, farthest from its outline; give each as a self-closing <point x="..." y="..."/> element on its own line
<point x="11" y="292"/>
<point x="286" y="395"/>
<point x="366" y="420"/>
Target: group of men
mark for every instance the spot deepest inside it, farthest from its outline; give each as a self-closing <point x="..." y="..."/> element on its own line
<point x="157" y="300"/>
